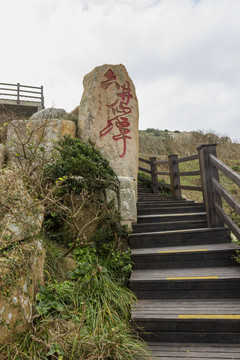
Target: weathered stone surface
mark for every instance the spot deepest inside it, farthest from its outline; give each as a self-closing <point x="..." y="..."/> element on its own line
<point x="128" y="198"/>
<point x="2" y="154"/>
<point x="20" y="216"/>
<point x="127" y="195"/>
<point x="108" y="115"/>
<point x="36" y="133"/>
<point x="20" y="274"/>
<point x="50" y="113"/>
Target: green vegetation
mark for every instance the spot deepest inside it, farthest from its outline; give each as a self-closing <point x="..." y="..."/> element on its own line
<point x="83" y="315"/>
<point x="81" y="159"/>
<point x="83" y="309"/>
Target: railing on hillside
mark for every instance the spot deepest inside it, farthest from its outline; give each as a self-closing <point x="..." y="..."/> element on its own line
<point x="18" y="93"/>
<point x="173" y="173"/>
<point x="212" y="190"/>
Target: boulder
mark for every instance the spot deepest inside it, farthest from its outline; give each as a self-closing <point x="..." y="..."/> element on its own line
<point x="21" y="272"/>
<point x="108" y="115"/>
<point x="39" y="136"/>
<point x="21" y="216"/>
<point x="50" y="113"/>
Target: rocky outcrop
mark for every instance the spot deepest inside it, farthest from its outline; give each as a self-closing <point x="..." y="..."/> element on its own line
<point x="21" y="272"/>
<point x="108" y="115"/>
<point x="33" y="140"/>
<point x="50" y="113"/>
<point x="21" y="216"/>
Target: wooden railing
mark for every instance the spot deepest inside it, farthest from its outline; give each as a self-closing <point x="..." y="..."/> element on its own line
<point x="173" y="174"/>
<point x="20" y="92"/>
<point x="213" y="191"/>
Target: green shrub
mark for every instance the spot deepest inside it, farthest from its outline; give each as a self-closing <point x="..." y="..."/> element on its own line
<point x="82" y="165"/>
<point x="81" y="169"/>
<point x="85" y="317"/>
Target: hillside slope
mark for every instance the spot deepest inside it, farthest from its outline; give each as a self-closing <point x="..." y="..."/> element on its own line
<point x="161" y="143"/>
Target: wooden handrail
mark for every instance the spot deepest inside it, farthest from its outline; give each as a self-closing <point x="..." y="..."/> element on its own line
<point x="163" y="173"/>
<point x="190" y="187"/>
<point x="225" y="194"/>
<point x="213" y="191"/>
<point x="190" y="173"/>
<point x="144" y="170"/>
<point x="173" y="173"/>
<point x="228" y="221"/>
<point x="187" y="158"/>
<point x="161" y="162"/>
<point x="144" y="160"/>
<point x="233" y="175"/>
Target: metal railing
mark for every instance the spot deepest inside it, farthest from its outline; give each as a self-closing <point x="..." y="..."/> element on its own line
<point x="19" y="92"/>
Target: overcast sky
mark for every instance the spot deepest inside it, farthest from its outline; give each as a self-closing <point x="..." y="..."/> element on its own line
<point x="182" y="55"/>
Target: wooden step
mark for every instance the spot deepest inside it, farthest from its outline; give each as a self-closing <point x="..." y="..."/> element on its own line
<point x="179" y="237"/>
<point x="185" y="256"/>
<point x="171" y="209"/>
<point x="167" y="204"/>
<point x="161" y="218"/>
<point x="163" y="201"/>
<point x="188" y="320"/>
<point x="144" y="191"/>
<point x="169" y="225"/>
<point x="193" y="351"/>
<point x="188" y="283"/>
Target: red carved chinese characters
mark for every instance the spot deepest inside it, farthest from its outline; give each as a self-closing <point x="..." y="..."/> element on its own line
<point x="119" y="109"/>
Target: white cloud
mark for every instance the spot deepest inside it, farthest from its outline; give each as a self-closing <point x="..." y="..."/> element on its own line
<point x="183" y="55"/>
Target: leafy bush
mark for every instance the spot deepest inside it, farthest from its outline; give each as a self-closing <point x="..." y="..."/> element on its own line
<point x="83" y="313"/>
<point x="81" y="169"/>
<point x="82" y="165"/>
<point x="84" y="317"/>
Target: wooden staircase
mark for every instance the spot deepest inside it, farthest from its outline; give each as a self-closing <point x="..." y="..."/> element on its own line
<point x="186" y="281"/>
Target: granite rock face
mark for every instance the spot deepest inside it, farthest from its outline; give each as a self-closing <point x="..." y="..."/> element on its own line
<point x="20" y="216"/>
<point x="108" y="115"/>
<point x="41" y="133"/>
<point x="50" y="113"/>
<point x="16" y="301"/>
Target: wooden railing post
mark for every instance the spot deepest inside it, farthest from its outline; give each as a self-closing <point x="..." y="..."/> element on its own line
<point x="209" y="172"/>
<point x="174" y="176"/>
<point x="154" y="175"/>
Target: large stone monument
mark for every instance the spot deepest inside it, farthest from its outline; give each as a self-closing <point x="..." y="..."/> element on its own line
<point x="108" y="115"/>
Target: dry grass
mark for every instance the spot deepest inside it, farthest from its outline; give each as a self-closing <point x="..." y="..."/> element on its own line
<point x="185" y="144"/>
